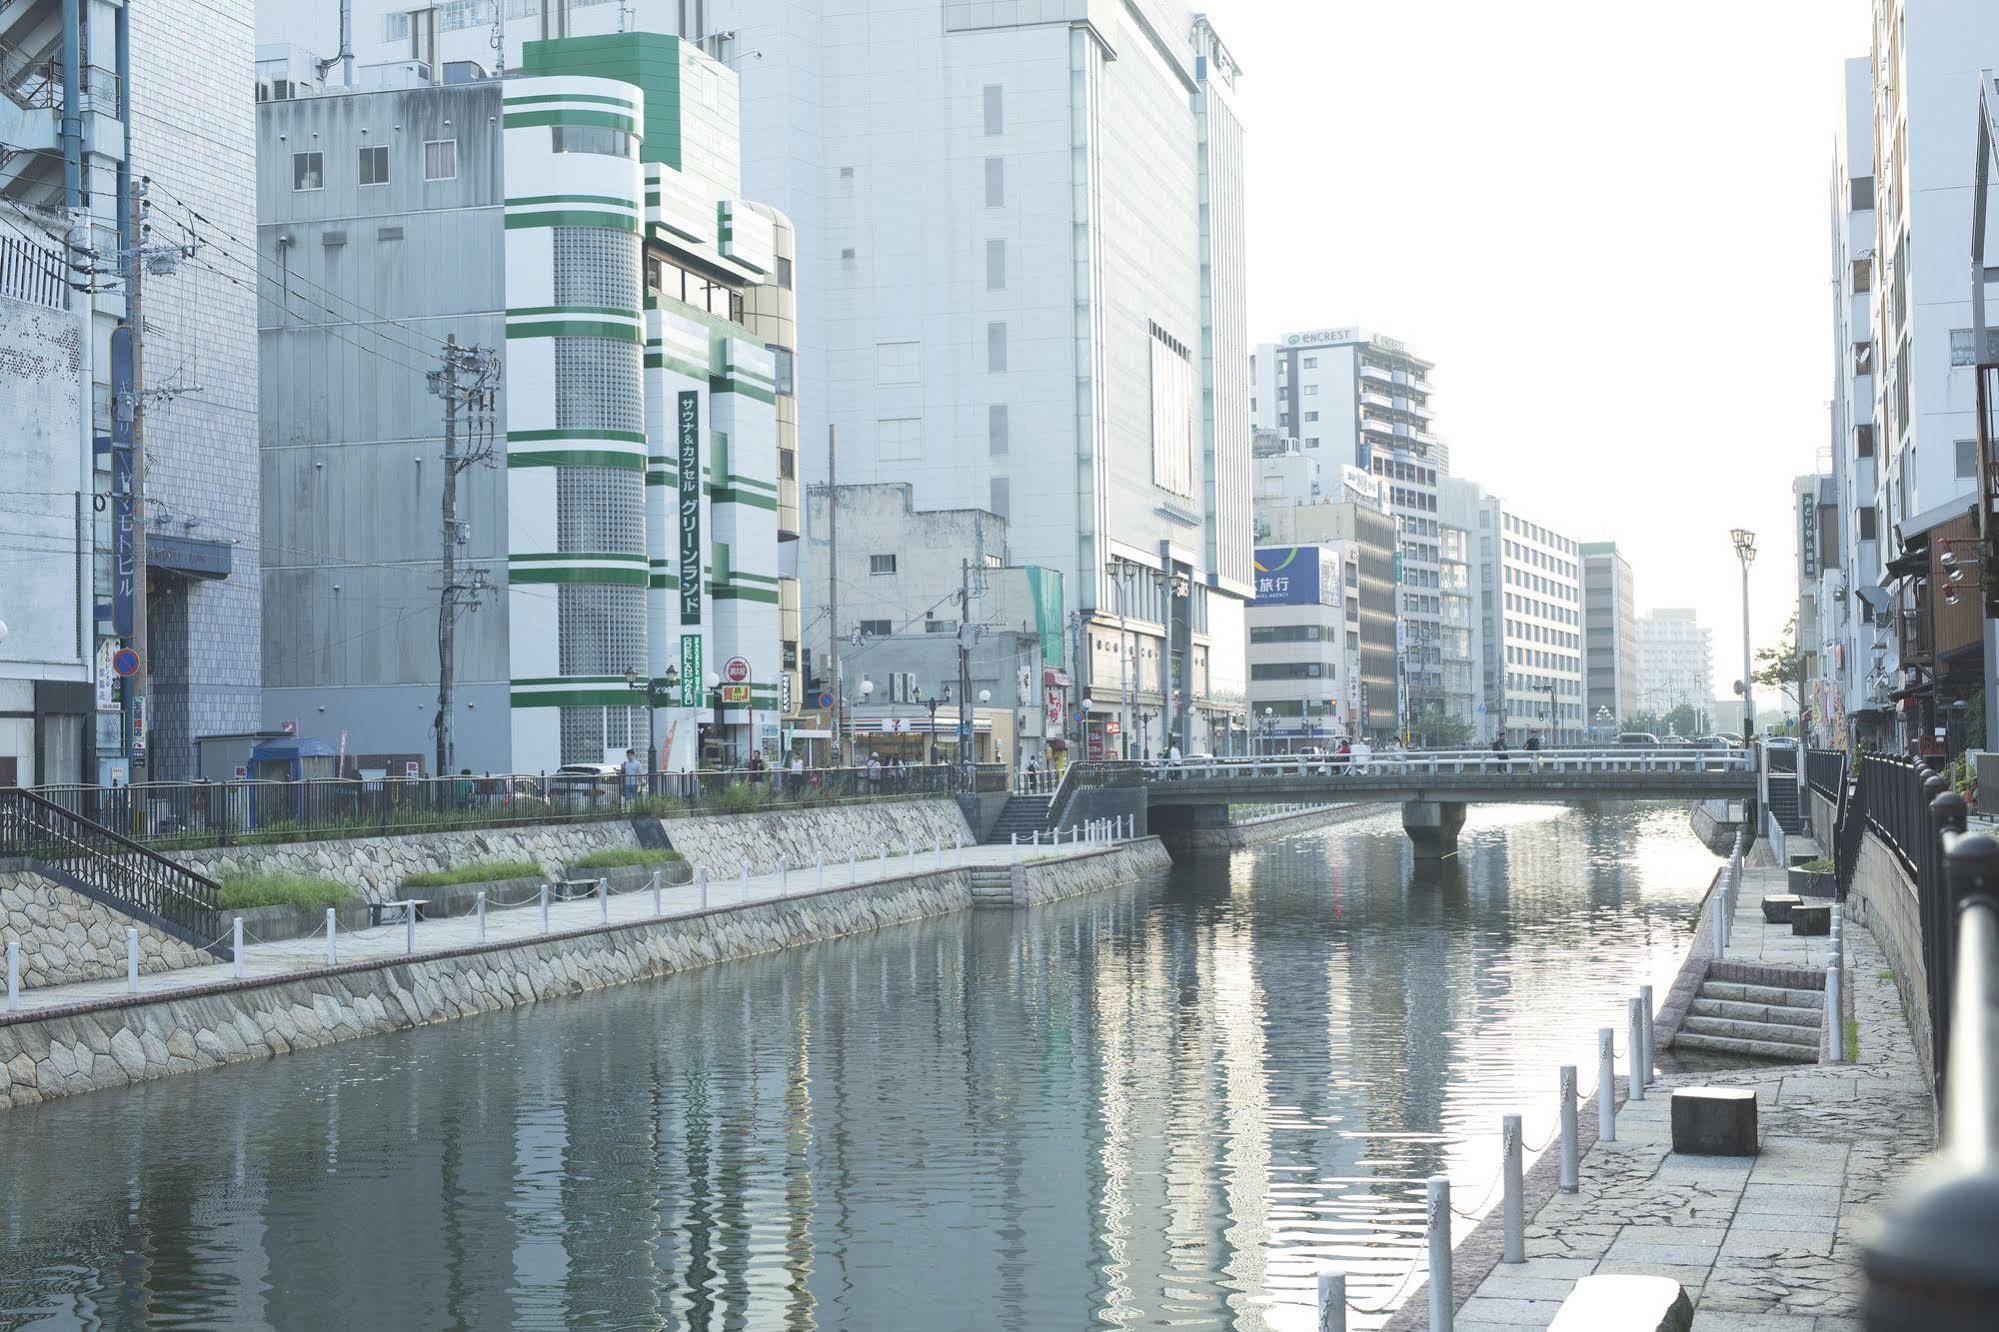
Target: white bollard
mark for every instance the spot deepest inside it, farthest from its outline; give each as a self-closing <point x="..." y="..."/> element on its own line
<point x="853" y="866"/>
<point x="544" y="908"/>
<point x="409" y="927"/>
<point x="1571" y="1150"/>
<point x="236" y="945"/>
<point x="1835" y="1019"/>
<point x="604" y="901"/>
<point x="1634" y="1045"/>
<point x="783" y="876"/>
<point x="701" y="875"/>
<point x="1645" y="997"/>
<point x="657" y="875"/>
<point x="819" y="871"/>
<point x="332" y="927"/>
<point x="1442" y="1301"/>
<point x="479" y="906"/>
<point x="957" y="850"/>
<point x="1606" y="1084"/>
<point x="13" y="976"/>
<point x="1511" y="1201"/>
<point x="131" y="961"/>
<point x="1332" y="1300"/>
<point x="744" y="889"/>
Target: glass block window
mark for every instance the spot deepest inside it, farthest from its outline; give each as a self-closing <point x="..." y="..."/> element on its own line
<point x="597" y="385"/>
<point x="603" y="628"/>
<point x="596" y="266"/>
<point x="600" y="509"/>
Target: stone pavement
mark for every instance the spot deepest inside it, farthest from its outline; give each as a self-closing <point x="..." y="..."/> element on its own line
<point x="521" y="922"/>
<point x="1763" y="1244"/>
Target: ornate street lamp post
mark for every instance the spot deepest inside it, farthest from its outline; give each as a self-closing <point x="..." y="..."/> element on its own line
<point x="1745" y="550"/>
<point x="645" y="683"/>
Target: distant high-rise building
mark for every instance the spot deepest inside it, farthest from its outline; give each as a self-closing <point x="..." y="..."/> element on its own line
<point x="1540" y="604"/>
<point x="1353" y="397"/>
<point x="1610" y="638"/>
<point x="1675" y="662"/>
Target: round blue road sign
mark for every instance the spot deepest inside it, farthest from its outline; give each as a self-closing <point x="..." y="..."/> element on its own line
<point x="125" y="661"/>
<point x="825" y="700"/>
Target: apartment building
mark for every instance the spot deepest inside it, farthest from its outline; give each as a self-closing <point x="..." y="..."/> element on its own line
<point x="1675" y="661"/>
<point x="1610" y="639"/>
<point x="1540" y="601"/>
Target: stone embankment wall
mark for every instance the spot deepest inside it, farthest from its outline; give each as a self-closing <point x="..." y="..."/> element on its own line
<point x="115" y="1042"/>
<point x="1883" y="898"/>
<point x="66" y="937"/>
<point x="724" y="842"/>
<point x="1275" y="827"/>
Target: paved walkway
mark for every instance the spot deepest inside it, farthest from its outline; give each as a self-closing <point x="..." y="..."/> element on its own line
<point x="1763" y="1244"/>
<point x="521" y="923"/>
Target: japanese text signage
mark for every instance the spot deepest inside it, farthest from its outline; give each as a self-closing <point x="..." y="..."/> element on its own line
<point x="1287" y="576"/>
<point x="690" y="510"/>
<point x="1808" y="534"/>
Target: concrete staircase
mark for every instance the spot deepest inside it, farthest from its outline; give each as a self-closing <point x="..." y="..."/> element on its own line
<point x="1751" y="1019"/>
<point x="1023" y="815"/>
<point x="1784" y="804"/>
<point x="992" y="888"/>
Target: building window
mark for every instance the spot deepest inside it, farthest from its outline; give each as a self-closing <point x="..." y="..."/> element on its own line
<point x="995" y="181"/>
<point x="1967" y="458"/>
<point x="1863" y="275"/>
<point x="1001" y="492"/>
<point x="785" y="371"/>
<point x="787" y="464"/>
<point x="996" y="429"/>
<point x="1863" y="358"/>
<point x="995" y="119"/>
<point x="1311" y="416"/>
<point x="996" y="347"/>
<point x="783" y="274"/>
<point x="1311" y="390"/>
<point x="440" y="159"/>
<point x="601" y="140"/>
<point x="1866" y="523"/>
<point x="995" y="265"/>
<point x="308" y="171"/>
<point x="1311" y="363"/>
<point x="876" y="629"/>
<point x="1863" y="441"/>
<point x="1861" y="193"/>
<point x="881" y="564"/>
<point x="1172" y="414"/>
<point x="1962" y="351"/>
<point x="374" y="166"/>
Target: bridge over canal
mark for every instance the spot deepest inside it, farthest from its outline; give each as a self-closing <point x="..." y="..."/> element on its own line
<point x="1433" y="786"/>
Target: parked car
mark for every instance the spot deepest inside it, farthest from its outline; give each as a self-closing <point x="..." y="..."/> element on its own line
<point x="1638" y="739"/>
<point x="1716" y="742"/>
<point x="583" y="785"/>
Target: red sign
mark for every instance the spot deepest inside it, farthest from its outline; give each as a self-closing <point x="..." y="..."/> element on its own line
<point x="736" y="670"/>
<point x="1096" y="749"/>
<point x="1112" y="728"/>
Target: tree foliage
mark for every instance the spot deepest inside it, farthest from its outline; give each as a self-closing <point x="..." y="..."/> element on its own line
<point x="1777" y="667"/>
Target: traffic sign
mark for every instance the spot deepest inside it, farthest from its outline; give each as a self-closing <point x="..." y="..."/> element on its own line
<point x="736" y="670"/>
<point x="825" y="700"/>
<point x="125" y="661"/>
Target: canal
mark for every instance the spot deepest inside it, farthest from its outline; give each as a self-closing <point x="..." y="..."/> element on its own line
<point x="1169" y="1103"/>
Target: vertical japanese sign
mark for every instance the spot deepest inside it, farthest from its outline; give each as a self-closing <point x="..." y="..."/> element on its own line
<point x="688" y="419"/>
<point x="124" y="568"/>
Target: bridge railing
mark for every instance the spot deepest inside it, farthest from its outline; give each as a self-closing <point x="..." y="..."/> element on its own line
<point x="1453" y="762"/>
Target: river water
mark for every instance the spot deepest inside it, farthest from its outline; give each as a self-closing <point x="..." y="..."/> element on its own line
<point x="1168" y="1103"/>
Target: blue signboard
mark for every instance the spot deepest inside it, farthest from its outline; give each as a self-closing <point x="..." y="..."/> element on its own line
<point x="124" y="566"/>
<point x="1287" y="576"/>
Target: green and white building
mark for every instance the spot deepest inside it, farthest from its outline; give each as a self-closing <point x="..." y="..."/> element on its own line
<point x="582" y="222"/>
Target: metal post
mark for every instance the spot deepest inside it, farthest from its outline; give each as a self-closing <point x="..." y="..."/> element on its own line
<point x="701" y="877"/>
<point x="656" y="875"/>
<point x="544" y="908"/>
<point x="783" y="875"/>
<point x="819" y="871"/>
<point x="131" y="961"/>
<point x="1634" y="1046"/>
<point x="744" y="892"/>
<point x="1442" y="1301"/>
<point x="1645" y="997"/>
<point x="1571" y="1148"/>
<point x="853" y="866"/>
<point x="1332" y="1300"/>
<point x="409" y="927"/>
<point x="479" y="905"/>
<point x="604" y="900"/>
<point x="13" y="976"/>
<point x="1606" y="1084"/>
<point x="1511" y="1201"/>
<point x="236" y="945"/>
<point x="1835" y="1024"/>
<point x="332" y="925"/>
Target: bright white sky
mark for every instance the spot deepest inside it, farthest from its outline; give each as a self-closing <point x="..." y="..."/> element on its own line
<point x="1605" y="222"/>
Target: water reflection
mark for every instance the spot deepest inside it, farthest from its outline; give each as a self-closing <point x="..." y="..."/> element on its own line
<point x="1172" y="1102"/>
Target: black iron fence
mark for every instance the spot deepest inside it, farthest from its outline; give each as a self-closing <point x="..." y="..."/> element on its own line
<point x="1930" y="1262"/>
<point x="1782" y="758"/>
<point x="1825" y="772"/>
<point x="107" y="865"/>
<point x="191" y="815"/>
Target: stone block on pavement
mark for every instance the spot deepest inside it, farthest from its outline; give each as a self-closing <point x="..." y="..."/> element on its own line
<point x="1612" y="1302"/>
<point x="1777" y="907"/>
<point x="1809" y="918"/>
<point x="1714" y="1121"/>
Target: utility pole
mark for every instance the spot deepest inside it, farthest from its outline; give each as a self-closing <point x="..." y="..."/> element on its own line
<point x="965" y="723"/>
<point x="135" y="404"/>
<point x="453" y="596"/>
<point x="833" y="591"/>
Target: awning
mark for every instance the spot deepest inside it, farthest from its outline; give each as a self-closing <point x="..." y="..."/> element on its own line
<point x="1909" y="564"/>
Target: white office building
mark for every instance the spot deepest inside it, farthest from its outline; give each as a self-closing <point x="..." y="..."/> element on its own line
<point x="1361" y="398"/>
<point x="1021" y="246"/>
<point x="1540" y="605"/>
<point x="1675" y="661"/>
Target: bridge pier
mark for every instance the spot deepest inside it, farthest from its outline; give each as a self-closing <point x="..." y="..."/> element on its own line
<point x="1433" y="826"/>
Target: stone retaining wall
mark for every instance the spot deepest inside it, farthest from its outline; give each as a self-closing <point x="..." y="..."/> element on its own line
<point x="723" y="842"/>
<point x="67" y="937"/>
<point x="1883" y="898"/>
<point x="1275" y="827"/>
<point x="120" y="1041"/>
<point x="378" y="865"/>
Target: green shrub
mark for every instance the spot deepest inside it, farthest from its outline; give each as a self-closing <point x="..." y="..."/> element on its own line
<point x="740" y="798"/>
<point x="279" y="887"/>
<point x="477" y="871"/>
<point x="612" y="857"/>
<point x="1818" y="866"/>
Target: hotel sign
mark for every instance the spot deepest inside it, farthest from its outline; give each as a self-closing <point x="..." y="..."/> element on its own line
<point x="1808" y="533"/>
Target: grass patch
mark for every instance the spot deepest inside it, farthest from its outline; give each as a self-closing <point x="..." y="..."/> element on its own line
<point x="1853" y="1040"/>
<point x="739" y="798"/>
<point x="477" y="871"/>
<point x="282" y="888"/>
<point x="614" y="857"/>
<point x="1884" y="975"/>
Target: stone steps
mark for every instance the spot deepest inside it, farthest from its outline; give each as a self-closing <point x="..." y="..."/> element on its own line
<point x="1776" y="995"/>
<point x="1785" y="1014"/>
<point x="1778" y="1033"/>
<point x="992" y="887"/>
<point x="1771" y="1051"/>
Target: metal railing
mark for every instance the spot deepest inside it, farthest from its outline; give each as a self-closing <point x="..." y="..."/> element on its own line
<point x="1930" y="1263"/>
<point x="1782" y="758"/>
<point x="188" y="815"/>
<point x="1825" y="772"/>
<point x="108" y="865"/>
<point x="1452" y="762"/>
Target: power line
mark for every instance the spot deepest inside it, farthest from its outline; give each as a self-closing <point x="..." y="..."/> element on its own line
<point x="331" y="330"/>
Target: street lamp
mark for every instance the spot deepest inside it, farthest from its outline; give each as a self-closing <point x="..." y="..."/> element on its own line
<point x="932" y="703"/>
<point x="721" y="728"/>
<point x="1745" y="550"/>
<point x="1269" y="727"/>
<point x="644" y="683"/>
<point x="1084" y="718"/>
